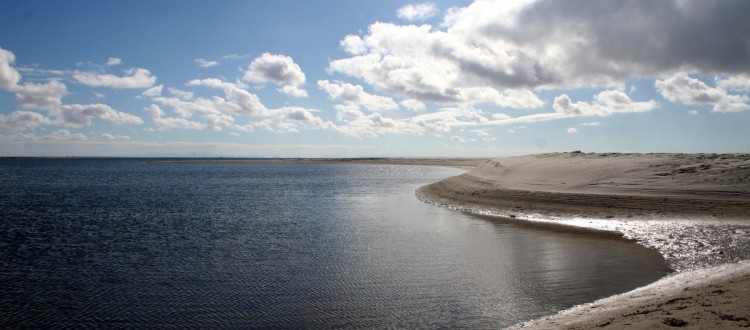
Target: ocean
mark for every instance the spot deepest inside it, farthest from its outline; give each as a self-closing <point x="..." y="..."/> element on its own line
<point x="128" y="243"/>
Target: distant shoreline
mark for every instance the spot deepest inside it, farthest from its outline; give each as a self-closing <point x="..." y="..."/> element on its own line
<point x="428" y="161"/>
<point x="450" y="162"/>
<point x="625" y="190"/>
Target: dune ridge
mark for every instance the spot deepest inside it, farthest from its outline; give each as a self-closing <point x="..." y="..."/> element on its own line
<point x="694" y="208"/>
<point x="601" y="185"/>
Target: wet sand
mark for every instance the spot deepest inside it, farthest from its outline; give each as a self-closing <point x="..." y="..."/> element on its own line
<point x="710" y="192"/>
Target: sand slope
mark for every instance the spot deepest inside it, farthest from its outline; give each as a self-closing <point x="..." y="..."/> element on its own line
<point x="602" y="185"/>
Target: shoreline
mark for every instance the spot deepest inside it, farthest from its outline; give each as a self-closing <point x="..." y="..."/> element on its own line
<point x="692" y="208"/>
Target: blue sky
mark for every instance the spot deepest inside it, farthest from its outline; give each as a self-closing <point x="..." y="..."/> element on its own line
<point x="372" y="78"/>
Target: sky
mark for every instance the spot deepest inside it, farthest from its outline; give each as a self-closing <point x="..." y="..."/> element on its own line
<point x="342" y="78"/>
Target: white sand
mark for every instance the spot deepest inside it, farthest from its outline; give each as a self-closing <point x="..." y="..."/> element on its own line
<point x="641" y="188"/>
<point x="713" y="298"/>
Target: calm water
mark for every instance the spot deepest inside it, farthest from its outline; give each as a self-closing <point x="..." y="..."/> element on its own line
<point x="127" y="243"/>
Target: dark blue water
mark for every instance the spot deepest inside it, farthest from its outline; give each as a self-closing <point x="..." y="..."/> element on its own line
<point x="133" y="244"/>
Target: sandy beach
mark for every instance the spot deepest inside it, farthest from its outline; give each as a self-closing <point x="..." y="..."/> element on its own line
<point x="693" y="208"/>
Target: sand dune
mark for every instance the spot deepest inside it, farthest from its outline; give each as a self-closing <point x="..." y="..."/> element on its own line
<point x="602" y="185"/>
<point x="632" y="190"/>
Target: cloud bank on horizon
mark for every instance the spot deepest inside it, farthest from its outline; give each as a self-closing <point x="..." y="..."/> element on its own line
<point x="456" y="76"/>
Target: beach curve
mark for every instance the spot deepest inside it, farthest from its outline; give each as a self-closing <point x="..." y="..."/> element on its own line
<point x="693" y="208"/>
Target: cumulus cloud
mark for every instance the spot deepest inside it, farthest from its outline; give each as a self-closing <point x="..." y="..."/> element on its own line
<point x="134" y="78"/>
<point x="46" y="96"/>
<point x="113" y="137"/>
<point x="9" y="76"/>
<point x="65" y="135"/>
<point x="572" y="130"/>
<point x="409" y="61"/>
<point x="734" y="83"/>
<point x="77" y="115"/>
<point x="277" y="69"/>
<point x="211" y="82"/>
<point x="417" y="12"/>
<point x="242" y="102"/>
<point x="292" y="119"/>
<point x="356" y="94"/>
<point x="204" y="63"/>
<point x="548" y="44"/>
<point x="684" y="89"/>
<point x="293" y="91"/>
<point x="605" y="103"/>
<point x="236" y="101"/>
<point x="353" y="45"/>
<point x="23" y="120"/>
<point x="415" y="105"/>
<point x="163" y="122"/>
<point x="215" y="113"/>
<point x="360" y="125"/>
<point x="181" y="94"/>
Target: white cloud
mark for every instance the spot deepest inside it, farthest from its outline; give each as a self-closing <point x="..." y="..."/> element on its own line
<point x="356" y="94"/>
<point x="693" y="112"/>
<point x="572" y="130"/>
<point x="235" y="57"/>
<point x="65" y="135"/>
<point x="417" y="12"/>
<point x="181" y="94"/>
<point x="164" y="123"/>
<point x="480" y="132"/>
<point x="112" y="137"/>
<point x="77" y="115"/>
<point x="204" y="63"/>
<point x="460" y="139"/>
<point x="410" y="61"/>
<point x="684" y="89"/>
<point x="734" y="83"/>
<point x="112" y="61"/>
<point x="242" y="102"/>
<point x="9" y="76"/>
<point x="277" y="69"/>
<point x="153" y="91"/>
<point x="211" y="82"/>
<point x="293" y="91"/>
<point x="353" y="45"/>
<point x="415" y="105"/>
<point x="23" y="120"/>
<point x="291" y="119"/>
<point x="605" y="103"/>
<point x="236" y="101"/>
<point x="134" y="78"/>
<point x="45" y="96"/>
<point x="541" y="44"/>
<point x="359" y="125"/>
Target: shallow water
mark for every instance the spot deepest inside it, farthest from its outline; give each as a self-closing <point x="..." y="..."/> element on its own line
<point x="131" y="244"/>
<point x="686" y="243"/>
